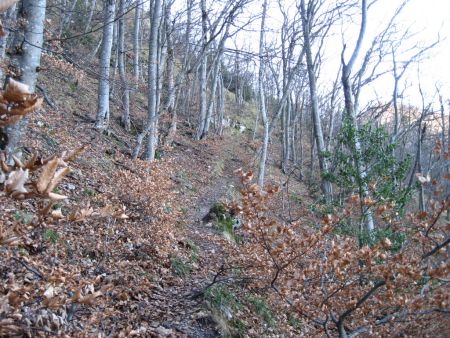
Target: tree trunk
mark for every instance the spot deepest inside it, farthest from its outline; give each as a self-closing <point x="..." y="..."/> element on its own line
<point x="136" y="45"/>
<point x="33" y="13"/>
<point x="65" y="19"/>
<point x="351" y="114"/>
<point x="318" y="132"/>
<point x="125" y="120"/>
<point x="220" y="106"/>
<point x="203" y="71"/>
<point x="151" y="125"/>
<point x="90" y="15"/>
<point x="152" y="140"/>
<point x="102" y="118"/>
<point x="116" y="58"/>
<point x="262" y="99"/>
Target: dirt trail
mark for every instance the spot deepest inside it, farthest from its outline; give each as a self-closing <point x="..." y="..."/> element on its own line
<point x="186" y="315"/>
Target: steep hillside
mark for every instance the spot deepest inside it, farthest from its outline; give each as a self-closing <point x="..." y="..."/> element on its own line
<point x="131" y="251"/>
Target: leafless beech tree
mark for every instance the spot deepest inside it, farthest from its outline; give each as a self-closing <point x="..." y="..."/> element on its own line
<point x="151" y="124"/>
<point x="103" y="111"/>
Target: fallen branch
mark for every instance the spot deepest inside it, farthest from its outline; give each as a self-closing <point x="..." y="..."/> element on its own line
<point x="29" y="268"/>
<point x="46" y="98"/>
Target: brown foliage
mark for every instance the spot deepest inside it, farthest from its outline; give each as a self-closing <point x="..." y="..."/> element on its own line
<point x="334" y="284"/>
<point x="16" y="101"/>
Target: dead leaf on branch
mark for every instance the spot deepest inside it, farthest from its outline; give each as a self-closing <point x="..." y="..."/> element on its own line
<point x="16" y="181"/>
<point x="17" y="101"/>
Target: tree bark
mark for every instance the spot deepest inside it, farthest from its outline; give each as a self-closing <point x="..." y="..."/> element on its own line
<point x="102" y="118"/>
<point x="136" y="45"/>
<point x="90" y="15"/>
<point x="151" y="125"/>
<point x="125" y="120"/>
<point x="351" y="114"/>
<point x="33" y="12"/>
<point x="318" y="132"/>
<point x="262" y="99"/>
<point x="203" y="71"/>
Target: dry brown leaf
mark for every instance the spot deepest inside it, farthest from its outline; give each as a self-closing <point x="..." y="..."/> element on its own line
<point x="56" y="197"/>
<point x="68" y="157"/>
<point x="16" y="181"/>
<point x="57" y="214"/>
<point x="81" y="215"/>
<point x="17" y="162"/>
<point x="59" y="175"/>
<point x="16" y="90"/>
<point x="46" y="176"/>
<point x="30" y="105"/>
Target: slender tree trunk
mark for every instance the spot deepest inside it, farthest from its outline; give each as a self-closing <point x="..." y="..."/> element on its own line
<point x="306" y="24"/>
<point x="152" y="140"/>
<point x="102" y="118"/>
<point x="262" y="99"/>
<point x="96" y="49"/>
<point x="34" y="14"/>
<point x="203" y="71"/>
<point x="65" y="20"/>
<point x="215" y="79"/>
<point x="220" y="106"/>
<point x="8" y="17"/>
<point x="312" y="154"/>
<point x="151" y="125"/>
<point x="90" y="15"/>
<point x="136" y="45"/>
<point x="115" y="48"/>
<point x="125" y="119"/>
<point x="170" y="61"/>
<point x="300" y="138"/>
<point x="419" y="165"/>
<point x="448" y="147"/>
<point x="286" y="137"/>
<point x="351" y="114"/>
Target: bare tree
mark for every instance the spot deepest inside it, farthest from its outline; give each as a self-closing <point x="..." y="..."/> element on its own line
<point x="151" y="124"/>
<point x="102" y="118"/>
<point x="203" y="71"/>
<point x="136" y="44"/>
<point x="121" y="49"/>
<point x="262" y="98"/>
<point x="307" y="14"/>
<point x="351" y="114"/>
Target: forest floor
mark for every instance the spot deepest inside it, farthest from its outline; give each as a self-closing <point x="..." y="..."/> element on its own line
<point x="87" y="272"/>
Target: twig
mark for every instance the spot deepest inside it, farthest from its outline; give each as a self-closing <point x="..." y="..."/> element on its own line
<point x="46" y="98"/>
<point x="437" y="248"/>
<point x="31" y="269"/>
